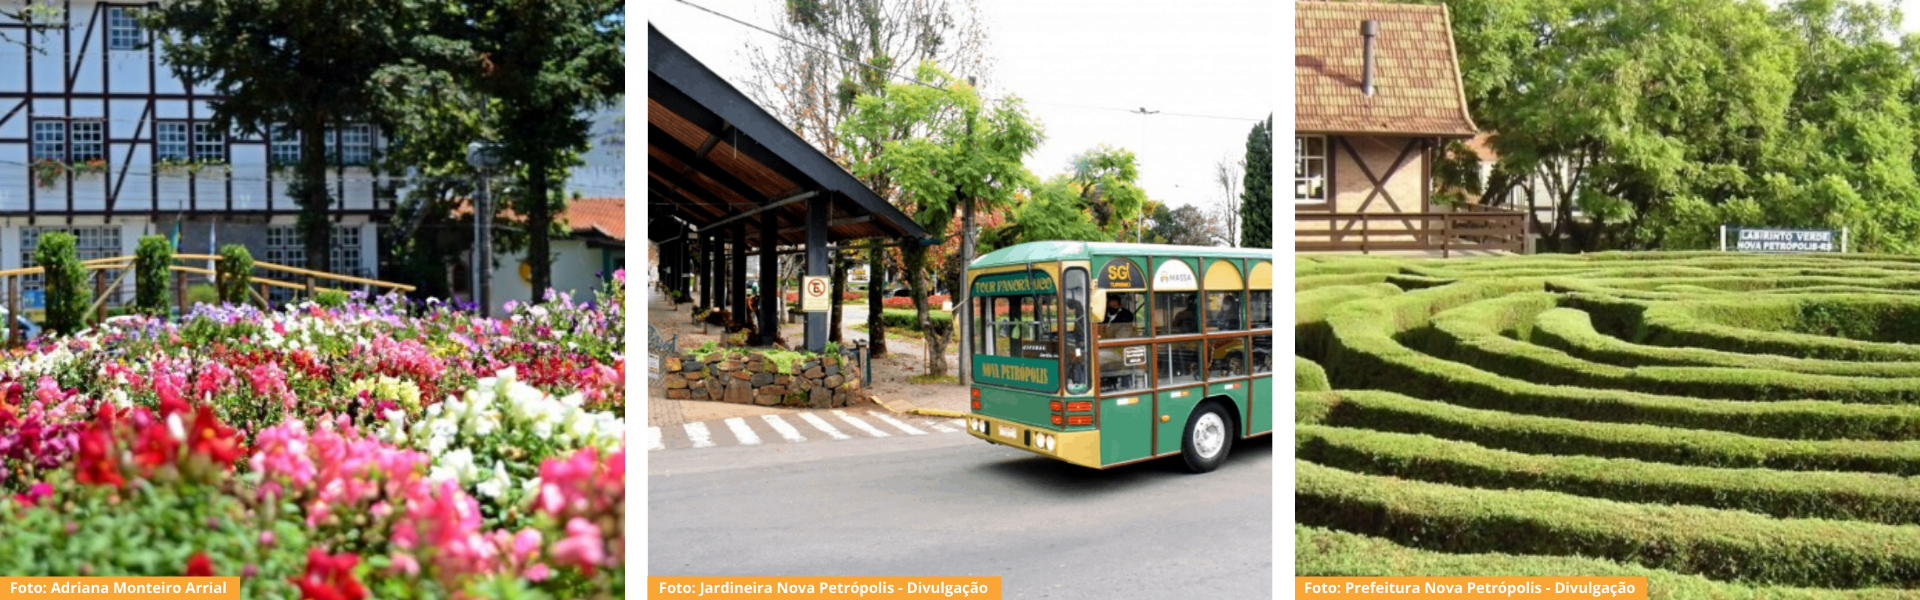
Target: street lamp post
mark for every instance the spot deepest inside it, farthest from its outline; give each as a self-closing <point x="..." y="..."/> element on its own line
<point x="483" y="157"/>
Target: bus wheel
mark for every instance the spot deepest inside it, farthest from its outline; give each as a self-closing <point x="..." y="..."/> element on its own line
<point x="1208" y="439"/>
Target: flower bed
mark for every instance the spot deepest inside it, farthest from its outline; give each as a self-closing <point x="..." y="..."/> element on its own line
<point x="768" y="378"/>
<point x="373" y="449"/>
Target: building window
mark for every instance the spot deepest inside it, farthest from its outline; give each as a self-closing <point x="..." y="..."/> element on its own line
<point x="123" y="32"/>
<point x="170" y="140"/>
<point x="1309" y="169"/>
<point x="286" y="145"/>
<point x="50" y="140"/>
<point x="358" y="140"/>
<point x="346" y="251"/>
<point x="89" y="140"/>
<point x="209" y="143"/>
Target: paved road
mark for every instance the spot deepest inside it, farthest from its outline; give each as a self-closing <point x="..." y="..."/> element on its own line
<point x="941" y="504"/>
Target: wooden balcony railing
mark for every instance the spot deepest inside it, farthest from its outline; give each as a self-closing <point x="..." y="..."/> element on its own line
<point x="1446" y="233"/>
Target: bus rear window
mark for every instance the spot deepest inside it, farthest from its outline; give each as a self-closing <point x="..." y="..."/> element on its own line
<point x="1123" y="369"/>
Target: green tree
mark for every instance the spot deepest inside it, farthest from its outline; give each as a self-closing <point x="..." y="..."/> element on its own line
<point x="1103" y="178"/>
<point x="304" y="64"/>
<point x="967" y="150"/>
<point x="1187" y="225"/>
<point x="1054" y="213"/>
<point x="1256" y="189"/>
<point x="153" y="274"/>
<point x="66" y="290"/>
<point x="544" y="63"/>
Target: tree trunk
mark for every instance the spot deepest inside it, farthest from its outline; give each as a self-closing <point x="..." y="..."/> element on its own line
<point x="876" y="293"/>
<point x="839" y="265"/>
<point x="916" y="279"/>
<point x="538" y="226"/>
<point x="310" y="190"/>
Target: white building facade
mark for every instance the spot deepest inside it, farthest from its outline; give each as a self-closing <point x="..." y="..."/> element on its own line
<point x="98" y="137"/>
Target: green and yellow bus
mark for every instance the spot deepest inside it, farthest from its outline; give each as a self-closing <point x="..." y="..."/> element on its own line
<point x="1107" y="354"/>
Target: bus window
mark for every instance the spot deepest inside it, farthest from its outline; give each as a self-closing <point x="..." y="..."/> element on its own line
<point x="1040" y="336"/>
<point x="1260" y="309"/>
<point x="1123" y="369"/>
<point x="1122" y="314"/>
<point x="1226" y="357"/>
<point x="1176" y="313"/>
<point x="1179" y="363"/>
<point x="1263" y="353"/>
<point x="1223" y="311"/>
<point x="1226" y="302"/>
<point x="1076" y="333"/>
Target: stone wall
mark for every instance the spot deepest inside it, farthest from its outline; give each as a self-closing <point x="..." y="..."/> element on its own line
<point x="823" y="382"/>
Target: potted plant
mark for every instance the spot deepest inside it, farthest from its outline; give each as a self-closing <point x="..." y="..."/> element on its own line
<point x="47" y="171"/>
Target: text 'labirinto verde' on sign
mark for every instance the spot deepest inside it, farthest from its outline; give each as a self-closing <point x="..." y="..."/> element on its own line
<point x="64" y="588"/>
<point x="1471" y="587"/>
<point x="821" y="588"/>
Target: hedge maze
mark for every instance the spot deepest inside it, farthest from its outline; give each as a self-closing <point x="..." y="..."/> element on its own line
<point x="1729" y="426"/>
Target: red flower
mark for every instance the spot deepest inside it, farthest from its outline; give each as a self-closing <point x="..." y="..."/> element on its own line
<point x="214" y="439"/>
<point x="199" y="565"/>
<point x="156" y="445"/>
<point x="96" y="460"/>
<point x="329" y="578"/>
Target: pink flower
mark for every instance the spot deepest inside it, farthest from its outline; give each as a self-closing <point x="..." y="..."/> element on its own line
<point x="525" y="544"/>
<point x="583" y="546"/>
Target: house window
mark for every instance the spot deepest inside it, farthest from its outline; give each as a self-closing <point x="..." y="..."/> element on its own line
<point x="50" y="140"/>
<point x="286" y="145"/>
<point x="345" y="257"/>
<point x="286" y="247"/>
<point x="123" y="32"/>
<point x="358" y="140"/>
<point x="209" y="142"/>
<point x="1309" y="169"/>
<point x="89" y="140"/>
<point x="170" y="140"/>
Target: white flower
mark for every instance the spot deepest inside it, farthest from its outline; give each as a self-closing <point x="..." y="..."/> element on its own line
<point x="119" y="398"/>
<point x="454" y="466"/>
<point x="175" y="428"/>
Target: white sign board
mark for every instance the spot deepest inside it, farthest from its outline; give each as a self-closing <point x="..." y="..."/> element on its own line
<point x="1174" y="275"/>
<point x="653" y="366"/>
<point x="1785" y="240"/>
<point x="815" y="294"/>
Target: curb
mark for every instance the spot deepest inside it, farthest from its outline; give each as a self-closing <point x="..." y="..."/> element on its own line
<point x="935" y="412"/>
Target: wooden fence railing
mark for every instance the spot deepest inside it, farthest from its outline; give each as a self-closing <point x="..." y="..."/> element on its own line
<point x="264" y="277"/>
<point x="1445" y="233"/>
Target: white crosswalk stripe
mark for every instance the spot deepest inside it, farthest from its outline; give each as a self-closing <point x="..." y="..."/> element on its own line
<point x="653" y="439"/>
<point x="957" y="423"/>
<point x="740" y="431"/>
<point x="938" y="427"/>
<point x="861" y="425"/>
<point x="699" y="434"/>
<point x="786" y="431"/>
<point x="823" y="426"/>
<point x="898" y="424"/>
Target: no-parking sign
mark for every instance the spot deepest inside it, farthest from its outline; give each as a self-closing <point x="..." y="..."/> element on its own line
<point x="814" y="294"/>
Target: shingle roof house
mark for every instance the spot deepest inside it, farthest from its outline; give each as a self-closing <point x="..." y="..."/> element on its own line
<point x="1377" y="92"/>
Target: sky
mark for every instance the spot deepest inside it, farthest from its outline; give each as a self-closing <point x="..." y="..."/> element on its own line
<point x="1080" y="66"/>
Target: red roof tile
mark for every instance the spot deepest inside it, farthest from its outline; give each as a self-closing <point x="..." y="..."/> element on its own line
<point x="1416" y="76"/>
<point x="602" y="216"/>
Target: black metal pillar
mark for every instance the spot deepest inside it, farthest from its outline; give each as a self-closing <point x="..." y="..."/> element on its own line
<point x="685" y="283"/>
<point x="737" y="275"/>
<point x="817" y="267"/>
<point x="769" y="296"/>
<point x="710" y="258"/>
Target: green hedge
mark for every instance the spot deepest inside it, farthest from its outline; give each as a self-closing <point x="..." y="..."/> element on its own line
<point x="1383" y="411"/>
<point x="153" y="274"/>
<point x="1310" y="313"/>
<point x="1473" y="334"/>
<point x="1721" y="544"/>
<point x="1572" y="331"/>
<point x="907" y="318"/>
<point x="1309" y="377"/>
<point x="1754" y="326"/>
<point x="1366" y="352"/>
<point x="1327" y="553"/>
<point x="1878" y="498"/>
<point x="235" y="272"/>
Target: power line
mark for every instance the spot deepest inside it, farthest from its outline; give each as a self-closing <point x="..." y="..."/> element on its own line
<point x="932" y="86"/>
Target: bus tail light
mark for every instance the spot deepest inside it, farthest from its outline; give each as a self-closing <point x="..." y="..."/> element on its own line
<point x="976" y="392"/>
<point x="1054" y="406"/>
<point x="1056" y="419"/>
<point x="976" y="404"/>
<point x="1079" y="407"/>
<point x="1080" y="420"/>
